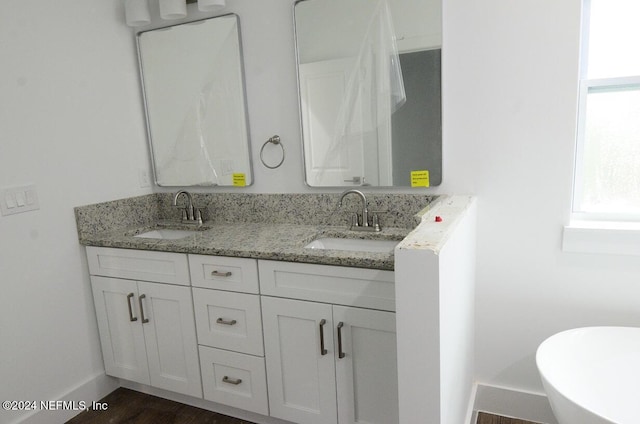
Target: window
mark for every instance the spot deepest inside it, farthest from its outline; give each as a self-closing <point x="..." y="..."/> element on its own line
<point x="607" y="172"/>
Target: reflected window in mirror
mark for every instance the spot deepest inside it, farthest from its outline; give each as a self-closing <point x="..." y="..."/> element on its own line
<point x="193" y="82"/>
<point x="356" y="129"/>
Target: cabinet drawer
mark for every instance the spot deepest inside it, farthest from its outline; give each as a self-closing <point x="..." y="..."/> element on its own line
<point x="367" y="288"/>
<point x="228" y="320"/>
<point x="224" y="273"/>
<point x="162" y="267"/>
<point x="234" y="379"/>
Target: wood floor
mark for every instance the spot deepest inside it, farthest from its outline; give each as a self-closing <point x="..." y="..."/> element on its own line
<point x="484" y="418"/>
<point x="128" y="406"/>
<point x="131" y="407"/>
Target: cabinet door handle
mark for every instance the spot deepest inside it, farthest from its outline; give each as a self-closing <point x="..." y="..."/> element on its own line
<point x="144" y="320"/>
<point x="234" y="381"/>
<point x="341" y="354"/>
<point x="131" y="317"/>
<point x="217" y="273"/>
<point x="323" y="351"/>
<point x="225" y="322"/>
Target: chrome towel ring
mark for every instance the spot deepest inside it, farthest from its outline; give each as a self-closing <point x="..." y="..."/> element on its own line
<point x="274" y="140"/>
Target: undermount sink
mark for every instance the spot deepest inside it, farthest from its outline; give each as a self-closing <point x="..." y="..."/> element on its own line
<point x="356" y="245"/>
<point x="166" y="234"/>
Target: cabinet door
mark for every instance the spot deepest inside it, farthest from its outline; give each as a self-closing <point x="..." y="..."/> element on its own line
<point x="121" y="334"/>
<point x="300" y="376"/>
<point x="170" y="335"/>
<point x="367" y="376"/>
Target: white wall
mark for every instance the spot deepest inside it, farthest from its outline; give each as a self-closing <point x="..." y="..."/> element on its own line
<point x="509" y="108"/>
<point x="71" y="123"/>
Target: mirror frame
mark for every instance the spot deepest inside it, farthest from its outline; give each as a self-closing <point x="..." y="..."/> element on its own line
<point x="300" y="112"/>
<point x="249" y="159"/>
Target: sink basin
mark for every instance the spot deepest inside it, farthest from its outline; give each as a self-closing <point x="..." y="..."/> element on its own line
<point x="355" y="245"/>
<point x="166" y="234"/>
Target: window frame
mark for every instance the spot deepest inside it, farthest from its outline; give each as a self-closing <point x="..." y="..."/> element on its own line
<point x="589" y="232"/>
<point x="587" y="86"/>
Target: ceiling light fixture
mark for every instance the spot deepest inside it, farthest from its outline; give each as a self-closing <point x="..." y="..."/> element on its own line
<point x="137" y="11"/>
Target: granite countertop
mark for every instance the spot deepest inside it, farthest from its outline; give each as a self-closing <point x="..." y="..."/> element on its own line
<point x="282" y="242"/>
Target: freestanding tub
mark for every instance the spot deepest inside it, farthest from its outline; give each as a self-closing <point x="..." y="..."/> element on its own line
<point x="592" y="375"/>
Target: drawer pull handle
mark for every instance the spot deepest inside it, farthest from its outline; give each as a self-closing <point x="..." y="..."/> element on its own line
<point x="341" y="354"/>
<point x="234" y="381"/>
<point x="226" y="322"/>
<point x="323" y="351"/>
<point x="221" y="273"/>
<point x="140" y="298"/>
<point x="131" y="317"/>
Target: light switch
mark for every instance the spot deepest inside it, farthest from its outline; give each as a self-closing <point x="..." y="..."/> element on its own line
<point x="19" y="199"/>
<point x="10" y="200"/>
<point x="31" y="196"/>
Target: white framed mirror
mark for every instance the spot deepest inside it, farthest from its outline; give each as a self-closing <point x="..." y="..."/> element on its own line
<point x="352" y="55"/>
<point x="194" y="92"/>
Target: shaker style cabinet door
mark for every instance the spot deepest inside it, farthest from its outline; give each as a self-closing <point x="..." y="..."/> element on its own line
<point x="147" y="332"/>
<point x="366" y="366"/>
<point x="299" y="353"/>
<point x="170" y="335"/>
<point x="121" y="333"/>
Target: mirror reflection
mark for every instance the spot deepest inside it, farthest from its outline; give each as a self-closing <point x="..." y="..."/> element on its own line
<point x="370" y="91"/>
<point x="195" y="102"/>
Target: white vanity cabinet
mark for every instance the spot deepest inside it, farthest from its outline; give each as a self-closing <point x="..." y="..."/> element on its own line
<point x="229" y="329"/>
<point x="146" y="328"/>
<point x="307" y="343"/>
<point x="328" y="362"/>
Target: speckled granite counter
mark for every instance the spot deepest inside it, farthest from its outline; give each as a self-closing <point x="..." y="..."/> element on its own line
<point x="275" y="227"/>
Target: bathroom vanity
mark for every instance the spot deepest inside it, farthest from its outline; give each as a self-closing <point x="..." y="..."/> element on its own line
<point x="241" y="318"/>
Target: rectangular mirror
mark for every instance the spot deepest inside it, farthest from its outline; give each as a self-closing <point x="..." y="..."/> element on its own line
<point x="193" y="82"/>
<point x="369" y="78"/>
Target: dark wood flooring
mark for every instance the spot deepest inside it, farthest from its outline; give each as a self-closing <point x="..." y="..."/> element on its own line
<point x="131" y="407"/>
<point x="484" y="418"/>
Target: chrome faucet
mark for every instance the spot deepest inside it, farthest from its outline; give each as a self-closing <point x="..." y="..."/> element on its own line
<point x="190" y="215"/>
<point x="361" y="223"/>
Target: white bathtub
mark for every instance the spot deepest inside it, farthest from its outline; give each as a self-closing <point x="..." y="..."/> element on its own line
<point x="592" y="375"/>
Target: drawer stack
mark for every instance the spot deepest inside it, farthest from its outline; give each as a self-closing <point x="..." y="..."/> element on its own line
<point x="229" y="329"/>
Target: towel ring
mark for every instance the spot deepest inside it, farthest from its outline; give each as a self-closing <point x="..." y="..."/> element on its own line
<point x="275" y="140"/>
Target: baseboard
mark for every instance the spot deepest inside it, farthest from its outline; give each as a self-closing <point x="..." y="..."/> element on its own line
<point x="93" y="389"/>
<point x="472" y="414"/>
<point x="509" y="402"/>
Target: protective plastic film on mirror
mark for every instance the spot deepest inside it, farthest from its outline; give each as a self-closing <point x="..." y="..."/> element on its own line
<point x="370" y="92"/>
<point x="193" y="83"/>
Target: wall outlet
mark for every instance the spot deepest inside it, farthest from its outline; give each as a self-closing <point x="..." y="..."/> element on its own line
<point x="18" y="199"/>
<point x="143" y="178"/>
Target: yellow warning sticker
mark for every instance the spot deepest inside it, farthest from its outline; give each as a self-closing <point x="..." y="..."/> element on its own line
<point x="239" y="180"/>
<point x="420" y="178"/>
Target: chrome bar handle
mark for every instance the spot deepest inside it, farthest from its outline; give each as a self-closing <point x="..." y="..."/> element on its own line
<point x="355" y="180"/>
<point x="131" y="317"/>
<point x="323" y="351"/>
<point x="217" y="273"/>
<point x="234" y="381"/>
<point x="226" y="322"/>
<point x="144" y="320"/>
<point x="341" y="354"/>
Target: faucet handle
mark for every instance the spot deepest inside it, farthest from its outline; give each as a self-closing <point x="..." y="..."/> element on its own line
<point x="375" y="222"/>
